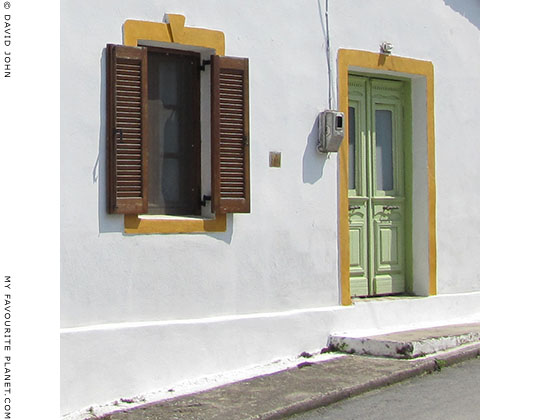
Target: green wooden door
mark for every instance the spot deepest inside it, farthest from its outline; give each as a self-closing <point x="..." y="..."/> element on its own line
<point x="377" y="201"/>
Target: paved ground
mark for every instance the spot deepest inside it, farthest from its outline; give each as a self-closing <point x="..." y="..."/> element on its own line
<point x="295" y="390"/>
<point x="453" y="393"/>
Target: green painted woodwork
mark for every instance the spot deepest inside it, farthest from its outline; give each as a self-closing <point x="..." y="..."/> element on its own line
<point x="379" y="212"/>
<point x="358" y="239"/>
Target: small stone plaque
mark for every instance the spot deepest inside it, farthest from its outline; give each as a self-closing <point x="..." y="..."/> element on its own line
<point x="275" y="159"/>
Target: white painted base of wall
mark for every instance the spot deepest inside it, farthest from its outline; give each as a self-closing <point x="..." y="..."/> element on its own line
<point x="100" y="364"/>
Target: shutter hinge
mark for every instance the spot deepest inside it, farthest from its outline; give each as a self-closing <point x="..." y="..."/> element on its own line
<point x="204" y="64"/>
<point x="205" y="198"/>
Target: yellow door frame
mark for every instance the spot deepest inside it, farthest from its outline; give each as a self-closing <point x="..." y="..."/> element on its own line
<point x="363" y="60"/>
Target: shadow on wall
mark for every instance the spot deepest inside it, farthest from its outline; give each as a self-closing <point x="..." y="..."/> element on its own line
<point x="107" y="222"/>
<point x="313" y="162"/>
<point x="224" y="236"/>
<point x="469" y="9"/>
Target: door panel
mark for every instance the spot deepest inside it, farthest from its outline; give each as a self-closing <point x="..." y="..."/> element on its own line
<point x="358" y="195"/>
<point x="358" y="240"/>
<point x="376" y="189"/>
<point x="387" y="284"/>
<point x="389" y="249"/>
<point x="388" y="227"/>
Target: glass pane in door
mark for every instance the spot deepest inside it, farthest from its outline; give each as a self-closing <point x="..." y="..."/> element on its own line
<point x="352" y="148"/>
<point x="383" y="157"/>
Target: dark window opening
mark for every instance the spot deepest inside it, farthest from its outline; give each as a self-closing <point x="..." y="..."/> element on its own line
<point x="174" y="146"/>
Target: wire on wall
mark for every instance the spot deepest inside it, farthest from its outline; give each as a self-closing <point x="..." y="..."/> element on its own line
<point x="327" y="33"/>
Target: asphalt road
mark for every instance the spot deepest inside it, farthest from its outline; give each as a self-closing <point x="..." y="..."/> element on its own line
<point x="453" y="393"/>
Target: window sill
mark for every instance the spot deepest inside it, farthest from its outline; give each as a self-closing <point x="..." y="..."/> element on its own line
<point x="144" y="224"/>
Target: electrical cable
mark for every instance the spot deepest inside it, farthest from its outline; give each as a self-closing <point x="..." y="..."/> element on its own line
<point x="328" y="58"/>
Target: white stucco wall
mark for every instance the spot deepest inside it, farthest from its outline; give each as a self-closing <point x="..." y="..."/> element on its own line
<point x="108" y="276"/>
<point x="283" y="256"/>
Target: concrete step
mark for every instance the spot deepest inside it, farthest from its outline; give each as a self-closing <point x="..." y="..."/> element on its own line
<point x="407" y="344"/>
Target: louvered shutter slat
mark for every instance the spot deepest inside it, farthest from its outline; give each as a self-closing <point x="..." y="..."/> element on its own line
<point x="126" y="129"/>
<point x="230" y="135"/>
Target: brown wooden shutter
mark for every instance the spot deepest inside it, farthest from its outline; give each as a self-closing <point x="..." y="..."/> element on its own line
<point x="230" y="135"/>
<point x="127" y="154"/>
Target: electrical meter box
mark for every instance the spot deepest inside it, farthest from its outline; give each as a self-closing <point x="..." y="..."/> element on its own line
<point x="331" y="131"/>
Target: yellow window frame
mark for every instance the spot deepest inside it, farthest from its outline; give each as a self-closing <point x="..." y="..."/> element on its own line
<point x="174" y="31"/>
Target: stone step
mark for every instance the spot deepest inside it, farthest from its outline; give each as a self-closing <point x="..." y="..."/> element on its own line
<point x="407" y="344"/>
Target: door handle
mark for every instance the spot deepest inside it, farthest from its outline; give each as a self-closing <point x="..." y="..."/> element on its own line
<point x="390" y="207"/>
<point x="355" y="207"/>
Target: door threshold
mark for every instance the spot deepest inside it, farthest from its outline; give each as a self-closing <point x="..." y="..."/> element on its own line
<point x="357" y="299"/>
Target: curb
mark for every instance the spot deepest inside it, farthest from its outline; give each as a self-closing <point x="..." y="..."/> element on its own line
<point x="426" y="365"/>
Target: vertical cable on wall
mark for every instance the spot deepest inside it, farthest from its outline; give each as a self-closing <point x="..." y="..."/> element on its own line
<point x="327" y="32"/>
